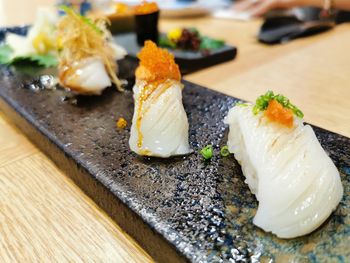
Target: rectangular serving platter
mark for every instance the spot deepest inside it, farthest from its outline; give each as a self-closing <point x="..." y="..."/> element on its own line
<point x="179" y="209"/>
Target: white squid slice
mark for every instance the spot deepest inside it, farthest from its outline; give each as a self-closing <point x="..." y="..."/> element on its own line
<point x="163" y="125"/>
<point x="296" y="183"/>
<point x="87" y="76"/>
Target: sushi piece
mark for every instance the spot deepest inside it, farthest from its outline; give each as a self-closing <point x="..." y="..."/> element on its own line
<point x="159" y="125"/>
<point x="294" y="180"/>
<point x="87" y="55"/>
<point x="87" y="76"/>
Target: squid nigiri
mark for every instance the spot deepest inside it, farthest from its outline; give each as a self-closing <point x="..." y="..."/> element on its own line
<point x="87" y="55"/>
<point x="294" y="180"/>
<point x="159" y="125"/>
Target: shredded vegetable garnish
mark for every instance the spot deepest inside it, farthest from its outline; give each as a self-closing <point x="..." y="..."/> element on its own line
<point x="224" y="151"/>
<point x="121" y="123"/>
<point x="263" y="101"/>
<point x="156" y="64"/>
<point x="81" y="37"/>
<point x="207" y="152"/>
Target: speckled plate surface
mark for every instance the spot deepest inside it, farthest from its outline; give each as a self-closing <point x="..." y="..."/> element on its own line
<point x="179" y="209"/>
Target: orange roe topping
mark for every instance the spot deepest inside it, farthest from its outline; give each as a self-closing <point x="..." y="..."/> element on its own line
<point x="121" y="123"/>
<point x="156" y="64"/>
<point x="146" y="8"/>
<point x="277" y="113"/>
<point x="121" y="8"/>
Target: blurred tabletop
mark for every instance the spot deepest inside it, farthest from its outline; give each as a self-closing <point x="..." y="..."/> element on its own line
<point x="313" y="72"/>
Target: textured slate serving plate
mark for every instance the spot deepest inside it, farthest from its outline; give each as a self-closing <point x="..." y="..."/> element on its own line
<point x="189" y="61"/>
<point x="178" y="209"/>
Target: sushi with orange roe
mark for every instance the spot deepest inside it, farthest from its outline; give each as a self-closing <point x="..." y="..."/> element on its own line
<point x="159" y="125"/>
<point x="296" y="183"/>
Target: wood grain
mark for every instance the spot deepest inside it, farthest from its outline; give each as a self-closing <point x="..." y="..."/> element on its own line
<point x="313" y="72"/>
<point x="44" y="216"/>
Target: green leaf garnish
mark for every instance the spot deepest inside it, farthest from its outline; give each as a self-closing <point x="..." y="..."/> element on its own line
<point x="164" y="41"/>
<point x="224" y="151"/>
<point x="48" y="60"/>
<point x="262" y="102"/>
<point x="85" y="19"/>
<point x="193" y="30"/>
<point x="5" y="54"/>
<point x="210" y="43"/>
<point x="207" y="152"/>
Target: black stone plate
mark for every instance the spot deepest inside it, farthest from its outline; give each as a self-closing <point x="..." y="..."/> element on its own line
<point x="189" y="61"/>
<point x="178" y="209"/>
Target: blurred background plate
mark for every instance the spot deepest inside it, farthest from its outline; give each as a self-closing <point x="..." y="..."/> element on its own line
<point x="188" y="61"/>
<point x="185" y="8"/>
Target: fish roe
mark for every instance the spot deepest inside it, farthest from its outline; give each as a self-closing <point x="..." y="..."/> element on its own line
<point x="156" y="64"/>
<point x="277" y="113"/>
<point x="121" y="123"/>
<point x="146" y="8"/>
<point x="122" y="9"/>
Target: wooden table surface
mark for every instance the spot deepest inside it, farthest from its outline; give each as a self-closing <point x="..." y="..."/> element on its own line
<point x="313" y="72"/>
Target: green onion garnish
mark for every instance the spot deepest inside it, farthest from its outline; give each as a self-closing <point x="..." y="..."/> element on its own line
<point x="91" y="24"/>
<point x="85" y="19"/>
<point x="241" y="104"/>
<point x="262" y="103"/>
<point x="207" y="152"/>
<point x="224" y="151"/>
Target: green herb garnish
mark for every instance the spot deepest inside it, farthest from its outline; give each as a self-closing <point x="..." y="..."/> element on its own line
<point x="193" y="30"/>
<point x="47" y="60"/>
<point x="262" y="102"/>
<point x="5" y="54"/>
<point x="164" y="41"/>
<point x="190" y="39"/>
<point x="224" y="151"/>
<point x="241" y="104"/>
<point x="211" y="43"/>
<point x="207" y="152"/>
<point x="85" y="19"/>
